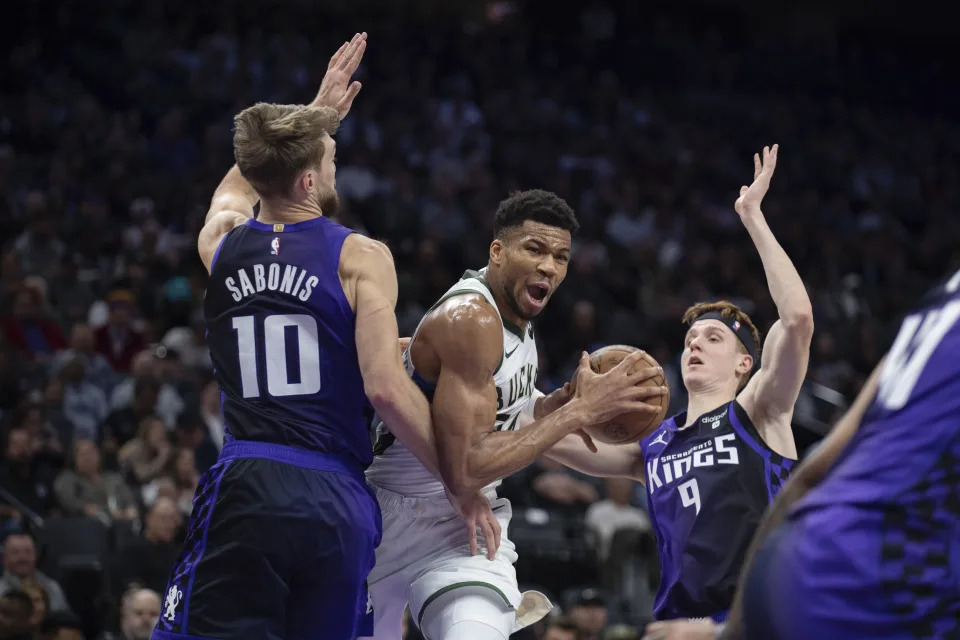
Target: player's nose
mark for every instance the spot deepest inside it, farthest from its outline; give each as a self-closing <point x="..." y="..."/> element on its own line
<point x="547" y="267"/>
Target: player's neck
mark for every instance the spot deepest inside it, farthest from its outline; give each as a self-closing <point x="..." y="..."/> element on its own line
<point x="507" y="314"/>
<point x="707" y="400"/>
<point x="286" y="212"/>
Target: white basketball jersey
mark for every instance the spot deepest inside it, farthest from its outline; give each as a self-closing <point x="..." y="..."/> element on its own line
<point x="394" y="468"/>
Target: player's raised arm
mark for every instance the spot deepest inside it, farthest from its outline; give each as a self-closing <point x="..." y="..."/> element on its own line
<point x="234" y="198"/>
<point x="466" y="335"/>
<point x="805" y="477"/>
<point x="786" y="350"/>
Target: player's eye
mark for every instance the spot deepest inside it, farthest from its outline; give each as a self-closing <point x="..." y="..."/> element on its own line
<point x="533" y="250"/>
<point x="563" y="259"/>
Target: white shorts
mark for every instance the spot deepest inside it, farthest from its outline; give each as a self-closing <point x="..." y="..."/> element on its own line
<point x="425" y="553"/>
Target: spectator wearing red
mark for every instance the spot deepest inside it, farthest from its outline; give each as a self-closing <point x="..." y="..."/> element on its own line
<point x="119" y="340"/>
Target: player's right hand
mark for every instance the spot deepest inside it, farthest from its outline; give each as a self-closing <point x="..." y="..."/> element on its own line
<point x="476" y="511"/>
<point x="607" y="395"/>
<point x="336" y="89"/>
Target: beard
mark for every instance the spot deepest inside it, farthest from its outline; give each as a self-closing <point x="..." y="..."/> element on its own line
<point x="514" y="304"/>
<point x="328" y="201"/>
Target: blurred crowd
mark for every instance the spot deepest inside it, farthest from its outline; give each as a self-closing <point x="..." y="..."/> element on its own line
<point x="115" y="127"/>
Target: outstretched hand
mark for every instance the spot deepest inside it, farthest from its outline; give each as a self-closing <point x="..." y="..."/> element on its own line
<point x="750" y="197"/>
<point x="336" y="89"/>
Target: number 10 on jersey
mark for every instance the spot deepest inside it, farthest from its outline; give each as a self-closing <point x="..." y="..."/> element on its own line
<point x="273" y="336"/>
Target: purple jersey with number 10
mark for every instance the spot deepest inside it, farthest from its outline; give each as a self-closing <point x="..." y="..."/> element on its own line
<point x="281" y="335"/>
<point x="874" y="550"/>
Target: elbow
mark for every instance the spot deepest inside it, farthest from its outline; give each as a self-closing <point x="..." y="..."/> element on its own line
<point x="799" y="321"/>
<point x="383" y="392"/>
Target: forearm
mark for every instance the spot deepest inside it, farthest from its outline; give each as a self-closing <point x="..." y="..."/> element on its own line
<point x="233" y="193"/>
<point x="496" y="454"/>
<point x="406" y="413"/>
<point x="785" y="284"/>
<point x="610" y="461"/>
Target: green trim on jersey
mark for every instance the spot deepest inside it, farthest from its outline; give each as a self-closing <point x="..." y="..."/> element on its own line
<point x="509" y="326"/>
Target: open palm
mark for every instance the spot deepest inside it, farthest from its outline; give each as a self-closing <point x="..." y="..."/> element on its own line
<point x="751" y="197"/>
<point x="336" y="89"/>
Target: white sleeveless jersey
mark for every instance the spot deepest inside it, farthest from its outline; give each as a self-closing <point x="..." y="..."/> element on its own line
<point x="394" y="468"/>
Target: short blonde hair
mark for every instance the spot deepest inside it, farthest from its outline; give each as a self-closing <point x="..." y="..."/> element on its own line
<point x="727" y="310"/>
<point x="273" y="143"/>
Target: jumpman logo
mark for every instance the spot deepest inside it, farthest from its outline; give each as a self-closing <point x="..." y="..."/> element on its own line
<point x="660" y="439"/>
<point x="174" y="595"/>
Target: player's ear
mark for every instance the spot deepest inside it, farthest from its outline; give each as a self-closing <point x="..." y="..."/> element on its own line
<point x="745" y="364"/>
<point x="496" y="251"/>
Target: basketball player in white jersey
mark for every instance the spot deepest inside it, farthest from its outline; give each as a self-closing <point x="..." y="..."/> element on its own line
<point x="475" y="358"/>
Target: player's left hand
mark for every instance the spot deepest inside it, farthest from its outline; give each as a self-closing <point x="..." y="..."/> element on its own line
<point x="336" y="90"/>
<point x="681" y="630"/>
<point x="750" y="197"/>
<point x="476" y="511"/>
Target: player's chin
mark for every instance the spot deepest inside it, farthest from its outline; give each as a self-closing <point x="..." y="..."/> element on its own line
<point x="531" y="305"/>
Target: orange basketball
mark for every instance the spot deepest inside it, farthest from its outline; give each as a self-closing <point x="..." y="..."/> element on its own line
<point x="627" y="427"/>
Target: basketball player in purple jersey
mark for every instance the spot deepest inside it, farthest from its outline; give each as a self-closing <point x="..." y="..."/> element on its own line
<point x="302" y="333"/>
<point x="864" y="540"/>
<point x="711" y="471"/>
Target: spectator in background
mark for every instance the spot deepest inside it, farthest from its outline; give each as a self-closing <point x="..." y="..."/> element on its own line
<point x="15" y="611"/>
<point x="97" y="370"/>
<point x="185" y="477"/>
<point x="146" y="456"/>
<point x="118" y="340"/>
<point x="29" y="330"/>
<point x="561" y="628"/>
<point x="122" y="425"/>
<point x="25" y="476"/>
<point x="589" y="612"/>
<point x="192" y="434"/>
<point x="147" y="561"/>
<point x="62" y="625"/>
<point x="84" y="404"/>
<point x="139" y="611"/>
<point x="86" y="490"/>
<point x="20" y="566"/>
<point x="147" y="368"/>
<point x="41" y="602"/>
<point x="615" y="513"/>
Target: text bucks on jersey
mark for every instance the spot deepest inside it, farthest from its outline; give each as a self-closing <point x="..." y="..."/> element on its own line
<point x="394" y="468"/>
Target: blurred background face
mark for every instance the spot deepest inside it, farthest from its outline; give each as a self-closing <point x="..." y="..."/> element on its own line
<point x="87" y="458"/>
<point x="590" y="618"/>
<point x="14" y="617"/>
<point x="18" y="446"/>
<point x="162" y="520"/>
<point x="140" y="614"/>
<point x="19" y="555"/>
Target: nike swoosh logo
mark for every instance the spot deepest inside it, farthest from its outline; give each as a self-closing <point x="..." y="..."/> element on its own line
<point x="510" y="353"/>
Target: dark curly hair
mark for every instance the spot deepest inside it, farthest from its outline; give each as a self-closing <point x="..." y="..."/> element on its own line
<point x="537" y="205"/>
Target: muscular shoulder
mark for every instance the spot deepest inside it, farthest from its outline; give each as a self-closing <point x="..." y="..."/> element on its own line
<point x="464" y="329"/>
<point x="360" y="254"/>
<point x="213" y="231"/>
<point x="363" y="258"/>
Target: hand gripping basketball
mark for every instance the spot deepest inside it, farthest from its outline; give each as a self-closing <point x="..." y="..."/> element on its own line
<point x="624" y="392"/>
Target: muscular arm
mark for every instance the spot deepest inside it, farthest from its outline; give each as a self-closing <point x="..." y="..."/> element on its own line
<point x="610" y="461"/>
<point x="466" y="335"/>
<point x="371" y="283"/>
<point x="231" y="206"/>
<point x="807" y="475"/>
<point x="773" y="391"/>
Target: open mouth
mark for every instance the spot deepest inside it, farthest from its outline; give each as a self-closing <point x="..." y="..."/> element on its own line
<point x="695" y="360"/>
<point x="538" y="292"/>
